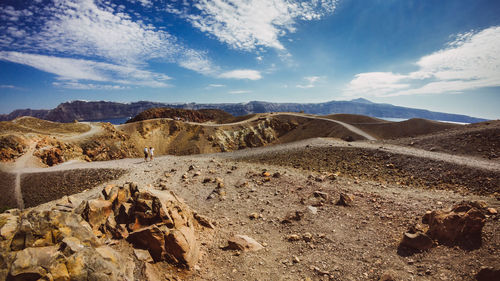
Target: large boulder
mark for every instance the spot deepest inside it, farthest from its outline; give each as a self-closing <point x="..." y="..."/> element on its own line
<point x="462" y="225"/>
<point x="150" y="219"/>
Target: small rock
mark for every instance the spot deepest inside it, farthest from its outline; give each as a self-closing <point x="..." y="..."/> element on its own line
<point x="243" y="243"/>
<point x="295" y="259"/>
<point x="293" y="237"/>
<point x="312" y="209"/>
<point x="418" y="241"/>
<point x="492" y="211"/>
<point x="253" y="216"/>
<point x="307" y="237"/>
<point x="143" y="255"/>
<point x="345" y="200"/>
<point x="296" y="216"/>
<point x="321" y="194"/>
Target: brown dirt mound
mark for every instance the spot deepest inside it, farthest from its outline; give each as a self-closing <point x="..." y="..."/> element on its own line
<point x="409" y="128"/>
<point x="479" y="139"/>
<point x="35" y="125"/>
<point x="39" y="188"/>
<point x="312" y="128"/>
<point x="198" y="116"/>
<point x="355" y="119"/>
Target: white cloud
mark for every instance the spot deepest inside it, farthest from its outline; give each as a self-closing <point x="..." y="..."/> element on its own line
<point x="89" y="86"/>
<point x="78" y="69"/>
<point x="238" y="92"/>
<point x="210" y="86"/>
<point x="471" y="61"/>
<point x="242" y="74"/>
<point x="89" y="29"/>
<point x="7" y="87"/>
<point x="311" y="82"/>
<point x="246" y="24"/>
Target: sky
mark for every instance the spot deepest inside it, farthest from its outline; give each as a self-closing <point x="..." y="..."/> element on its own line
<point x="438" y="55"/>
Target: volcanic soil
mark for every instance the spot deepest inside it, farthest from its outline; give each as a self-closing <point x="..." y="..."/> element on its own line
<point x="285" y="197"/>
<point x="358" y="242"/>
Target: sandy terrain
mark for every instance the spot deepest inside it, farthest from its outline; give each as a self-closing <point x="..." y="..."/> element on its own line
<point x="347" y="243"/>
<point x="393" y="184"/>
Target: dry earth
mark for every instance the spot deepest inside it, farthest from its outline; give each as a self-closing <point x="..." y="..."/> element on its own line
<point x="359" y="242"/>
<point x="252" y="191"/>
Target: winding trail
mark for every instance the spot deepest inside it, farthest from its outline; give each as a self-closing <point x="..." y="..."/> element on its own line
<point x="94" y="129"/>
<point x="345" y="125"/>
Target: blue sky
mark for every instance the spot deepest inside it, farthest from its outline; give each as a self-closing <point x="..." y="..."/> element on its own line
<point x="438" y="55"/>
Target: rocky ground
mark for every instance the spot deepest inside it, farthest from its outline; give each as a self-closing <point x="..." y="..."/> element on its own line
<point x="480" y="140"/>
<point x="290" y="205"/>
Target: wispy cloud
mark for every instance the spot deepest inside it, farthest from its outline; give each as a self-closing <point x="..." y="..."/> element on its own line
<point x="7" y="87"/>
<point x="311" y="82"/>
<point x="87" y="70"/>
<point x="238" y="92"/>
<point x="242" y="74"/>
<point x="246" y="24"/>
<point x="98" y="30"/>
<point x="88" y="86"/>
<point x="469" y="62"/>
<point x="211" y="86"/>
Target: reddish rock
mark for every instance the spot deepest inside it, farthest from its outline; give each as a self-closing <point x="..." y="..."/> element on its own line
<point x="463" y="224"/>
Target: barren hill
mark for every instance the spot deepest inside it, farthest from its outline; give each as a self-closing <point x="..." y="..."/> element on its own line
<point x="54" y="143"/>
<point x="198" y="116"/>
<point x="480" y="139"/>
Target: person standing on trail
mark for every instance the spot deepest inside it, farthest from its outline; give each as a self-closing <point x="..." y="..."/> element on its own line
<point x="146" y="154"/>
<point x="151" y="152"/>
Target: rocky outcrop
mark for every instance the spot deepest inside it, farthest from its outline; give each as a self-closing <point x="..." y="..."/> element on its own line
<point x="68" y="244"/>
<point x="150" y="219"/>
<point x="56" y="245"/>
<point x="199" y="116"/>
<point x="460" y="226"/>
<point x="11" y="147"/>
<point x="463" y="224"/>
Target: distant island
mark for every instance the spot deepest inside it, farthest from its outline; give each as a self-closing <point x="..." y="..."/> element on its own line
<point x="100" y="110"/>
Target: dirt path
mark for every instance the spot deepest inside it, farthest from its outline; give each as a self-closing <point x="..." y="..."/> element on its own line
<point x="94" y="129"/>
<point x="22" y="163"/>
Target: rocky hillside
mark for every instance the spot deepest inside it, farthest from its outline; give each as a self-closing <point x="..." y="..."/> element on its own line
<point x="97" y="110"/>
<point x="198" y="116"/>
<point x="168" y="136"/>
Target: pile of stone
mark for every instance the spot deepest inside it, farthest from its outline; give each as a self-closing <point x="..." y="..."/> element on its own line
<point x="68" y="244"/>
<point x="460" y="226"/>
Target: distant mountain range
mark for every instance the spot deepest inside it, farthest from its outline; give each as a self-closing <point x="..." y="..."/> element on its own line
<point x="98" y="110"/>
